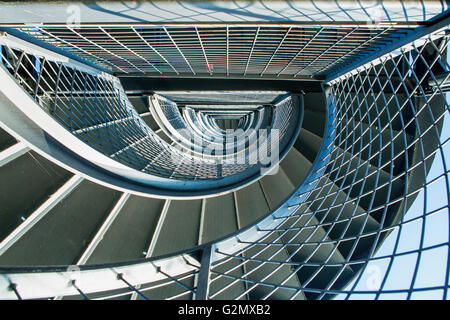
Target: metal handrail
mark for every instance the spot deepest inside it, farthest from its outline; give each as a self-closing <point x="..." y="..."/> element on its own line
<point x="348" y="103"/>
<point x="89" y="113"/>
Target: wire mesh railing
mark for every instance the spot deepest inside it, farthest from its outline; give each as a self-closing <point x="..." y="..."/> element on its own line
<point x="371" y="219"/>
<point x="176" y="276"/>
<point x="281" y="51"/>
<point x="94" y="107"/>
<point x="375" y="223"/>
<point x="240" y="147"/>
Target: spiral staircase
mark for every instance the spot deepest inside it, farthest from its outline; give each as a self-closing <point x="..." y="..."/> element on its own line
<point x="318" y="170"/>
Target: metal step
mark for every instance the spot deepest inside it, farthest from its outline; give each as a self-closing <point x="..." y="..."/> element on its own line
<point x="315" y="122"/>
<point x="150" y="121"/>
<point x="276" y="187"/>
<point x="308" y="144"/>
<point x="121" y="294"/>
<point x="129" y="235"/>
<point x="251" y="205"/>
<point x="63" y="234"/>
<point x="26" y="182"/>
<point x="343" y="218"/>
<point x="296" y="166"/>
<point x="226" y="283"/>
<point x="219" y="218"/>
<point x="13" y="152"/>
<point x="163" y="136"/>
<point x="6" y="140"/>
<point x="382" y="111"/>
<point x="307" y="243"/>
<point x="359" y="178"/>
<point x="180" y="227"/>
<point x="379" y="147"/>
<point x="314" y="101"/>
<point x="140" y="103"/>
<point x="272" y="274"/>
<point x="169" y="290"/>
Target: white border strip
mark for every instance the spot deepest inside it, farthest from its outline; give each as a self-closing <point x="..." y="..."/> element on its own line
<point x="408" y="47"/>
<point x="39" y="213"/>
<point x="103" y="229"/>
<point x="12" y="153"/>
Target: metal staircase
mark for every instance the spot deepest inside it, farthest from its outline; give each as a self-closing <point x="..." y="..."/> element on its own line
<point x="109" y="194"/>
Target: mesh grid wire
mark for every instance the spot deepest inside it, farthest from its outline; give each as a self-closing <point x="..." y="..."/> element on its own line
<point x="375" y="224"/>
<point x="179" y="126"/>
<point x="172" y="284"/>
<point x="202" y="134"/>
<point x="371" y="219"/>
<point x="197" y="50"/>
<point x="175" y="287"/>
<point x="264" y="145"/>
<point x="95" y="108"/>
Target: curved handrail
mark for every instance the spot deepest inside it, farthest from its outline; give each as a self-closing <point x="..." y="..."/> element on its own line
<point x="209" y="144"/>
<point x="89" y="113"/>
<point x="234" y="245"/>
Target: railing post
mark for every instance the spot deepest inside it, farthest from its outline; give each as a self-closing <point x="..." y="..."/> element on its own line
<point x="203" y="275"/>
<point x="13" y="287"/>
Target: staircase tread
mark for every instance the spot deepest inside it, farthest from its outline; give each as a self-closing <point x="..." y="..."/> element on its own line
<point x="257" y="271"/>
<point x="62" y="235"/>
<point x="6" y="140"/>
<point x="276" y="187"/>
<point x="219" y="217"/>
<point x="183" y="217"/>
<point x="296" y="166"/>
<point x="251" y="204"/>
<point x="28" y="181"/>
<point x="129" y="236"/>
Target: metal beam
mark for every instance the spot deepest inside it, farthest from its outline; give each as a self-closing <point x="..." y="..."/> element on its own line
<point x="39" y="213"/>
<point x="393" y="44"/>
<point x="103" y="229"/>
<point x="12" y="153"/>
<point x="203" y="275"/>
<point x="146" y="85"/>
<point x="154" y="239"/>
